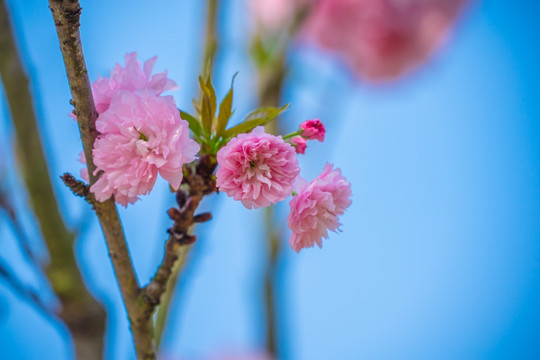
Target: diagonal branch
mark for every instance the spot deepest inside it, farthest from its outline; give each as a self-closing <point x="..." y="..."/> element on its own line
<point x="199" y="181"/>
<point x="197" y="184"/>
<point x="66" y="15"/>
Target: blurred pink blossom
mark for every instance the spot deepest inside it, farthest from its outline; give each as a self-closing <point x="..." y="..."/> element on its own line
<point x="299" y="144"/>
<point x="381" y="39"/>
<point x="257" y="168"/>
<point x="132" y="77"/>
<point x="316" y="207"/>
<point x="141" y="136"/>
<point x="313" y="130"/>
<point x="272" y="13"/>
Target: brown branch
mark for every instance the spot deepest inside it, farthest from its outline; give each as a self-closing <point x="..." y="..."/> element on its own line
<point x="66" y="15"/>
<point x="87" y="326"/>
<point x="79" y="188"/>
<point x="198" y="184"/>
<point x="210" y="48"/>
<point x="140" y="303"/>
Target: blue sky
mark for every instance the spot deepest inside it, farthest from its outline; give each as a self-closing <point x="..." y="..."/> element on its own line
<point x="440" y="251"/>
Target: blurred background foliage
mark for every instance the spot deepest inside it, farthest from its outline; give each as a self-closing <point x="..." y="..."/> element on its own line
<point x="439" y="254"/>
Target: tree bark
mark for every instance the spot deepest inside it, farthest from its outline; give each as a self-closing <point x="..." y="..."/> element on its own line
<point x="66" y="15"/>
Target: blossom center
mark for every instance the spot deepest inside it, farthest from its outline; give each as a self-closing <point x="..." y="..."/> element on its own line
<point x="142" y="136"/>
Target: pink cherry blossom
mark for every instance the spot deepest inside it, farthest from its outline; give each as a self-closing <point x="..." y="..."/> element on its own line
<point x="382" y="39"/>
<point x="299" y="144"/>
<point x="257" y="168"/>
<point x="141" y="136"/>
<point x="316" y="207"/>
<point x="313" y="130"/>
<point x="133" y="76"/>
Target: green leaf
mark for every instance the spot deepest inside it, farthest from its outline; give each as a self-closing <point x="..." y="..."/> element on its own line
<point x="213" y="99"/>
<point x="258" y="117"/>
<point x="225" y="110"/>
<point x="208" y="107"/>
<point x="197" y="106"/>
<point x="269" y="113"/>
<point x="194" y="124"/>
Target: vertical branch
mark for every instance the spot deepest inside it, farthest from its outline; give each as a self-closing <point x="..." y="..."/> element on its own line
<point x="270" y="88"/>
<point x="210" y="49"/>
<point x="271" y="78"/>
<point x="272" y="266"/>
<point x="80" y="311"/>
<point x="270" y="282"/>
<point x="66" y="15"/>
<point x="211" y="40"/>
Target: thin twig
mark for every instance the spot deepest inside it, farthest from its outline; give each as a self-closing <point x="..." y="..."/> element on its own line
<point x="79" y="188"/>
<point x="22" y="240"/>
<point x="25" y="292"/>
<point x="198" y="184"/>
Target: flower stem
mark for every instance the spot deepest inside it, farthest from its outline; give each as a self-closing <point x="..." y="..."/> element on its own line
<point x="293" y="134"/>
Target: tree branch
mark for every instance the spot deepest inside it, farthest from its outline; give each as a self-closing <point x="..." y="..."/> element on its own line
<point x="24" y="291"/>
<point x="198" y="183"/>
<point x="211" y="40"/>
<point x="210" y="47"/>
<point x="66" y="15"/>
<point x="79" y="188"/>
<point x="87" y="327"/>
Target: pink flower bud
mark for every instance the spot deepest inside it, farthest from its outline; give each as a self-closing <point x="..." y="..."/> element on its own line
<point x="313" y="130"/>
<point x="299" y="144"/>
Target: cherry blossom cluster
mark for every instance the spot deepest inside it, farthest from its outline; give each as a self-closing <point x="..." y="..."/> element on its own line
<point x="142" y="134"/>
<point x="260" y="169"/>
